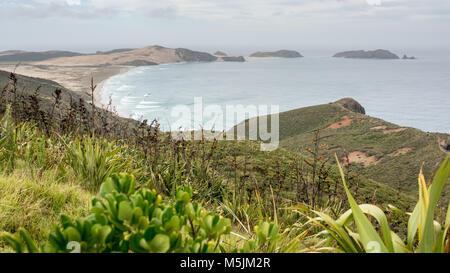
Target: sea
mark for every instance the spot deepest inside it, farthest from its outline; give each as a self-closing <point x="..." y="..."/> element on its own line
<point x="412" y="93"/>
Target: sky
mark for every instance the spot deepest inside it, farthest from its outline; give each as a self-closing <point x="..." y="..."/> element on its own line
<point x="90" y="25"/>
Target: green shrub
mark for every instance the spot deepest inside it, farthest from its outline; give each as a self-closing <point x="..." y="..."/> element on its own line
<point x="266" y="238"/>
<point x="125" y="220"/>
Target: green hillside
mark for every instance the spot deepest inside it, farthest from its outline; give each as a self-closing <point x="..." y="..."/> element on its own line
<point x="379" y="150"/>
<point x="27" y="85"/>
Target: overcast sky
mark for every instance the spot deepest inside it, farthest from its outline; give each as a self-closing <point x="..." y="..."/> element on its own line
<point x="88" y="25"/>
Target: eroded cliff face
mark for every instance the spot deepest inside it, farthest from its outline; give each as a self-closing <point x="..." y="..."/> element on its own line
<point x="445" y="144"/>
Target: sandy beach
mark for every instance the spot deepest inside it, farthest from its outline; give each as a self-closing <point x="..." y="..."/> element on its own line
<point x="75" y="78"/>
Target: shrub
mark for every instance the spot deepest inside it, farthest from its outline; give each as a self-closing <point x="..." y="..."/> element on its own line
<point x="125" y="220"/>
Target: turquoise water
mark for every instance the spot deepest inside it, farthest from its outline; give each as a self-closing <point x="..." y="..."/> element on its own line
<point x="413" y="93"/>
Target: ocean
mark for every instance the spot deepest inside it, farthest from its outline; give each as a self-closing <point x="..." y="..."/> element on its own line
<point x="413" y="93"/>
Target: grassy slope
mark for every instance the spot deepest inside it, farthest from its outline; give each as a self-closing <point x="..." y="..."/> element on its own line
<point x="264" y="165"/>
<point x="36" y="204"/>
<point x="35" y="200"/>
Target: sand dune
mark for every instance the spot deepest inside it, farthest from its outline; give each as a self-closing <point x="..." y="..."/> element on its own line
<point x="141" y="56"/>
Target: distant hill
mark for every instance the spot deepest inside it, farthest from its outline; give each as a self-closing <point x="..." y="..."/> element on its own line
<point x="187" y="55"/>
<point x="135" y="57"/>
<point x="278" y="54"/>
<point x="10" y="52"/>
<point x="379" y="150"/>
<point x="361" y="54"/>
<point x="22" y="56"/>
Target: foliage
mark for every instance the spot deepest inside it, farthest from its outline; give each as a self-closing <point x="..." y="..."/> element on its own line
<point x="425" y="234"/>
<point x="94" y="160"/>
<point x="12" y="139"/>
<point x="125" y="220"/>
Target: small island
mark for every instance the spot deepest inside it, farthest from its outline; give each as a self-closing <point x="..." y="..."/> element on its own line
<point x="220" y="53"/>
<point x="231" y="59"/>
<point x="277" y="54"/>
<point x="362" y="54"/>
<point x="405" y="57"/>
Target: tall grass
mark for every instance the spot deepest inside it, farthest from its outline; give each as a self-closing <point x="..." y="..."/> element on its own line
<point x="94" y="160"/>
<point x="13" y="138"/>
<point x="36" y="204"/>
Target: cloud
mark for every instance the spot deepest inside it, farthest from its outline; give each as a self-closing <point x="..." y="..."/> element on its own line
<point x="48" y="9"/>
<point x="259" y="10"/>
<point x="73" y="2"/>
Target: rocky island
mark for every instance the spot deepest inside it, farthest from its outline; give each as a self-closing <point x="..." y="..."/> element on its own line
<point x="277" y="54"/>
<point x="405" y="57"/>
<point x="362" y="54"/>
<point x="220" y="53"/>
<point x="231" y="59"/>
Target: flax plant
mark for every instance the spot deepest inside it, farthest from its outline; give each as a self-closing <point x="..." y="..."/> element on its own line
<point x="425" y="234"/>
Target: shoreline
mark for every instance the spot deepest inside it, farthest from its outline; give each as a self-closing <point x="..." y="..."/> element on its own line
<point x="98" y="92"/>
<point x="75" y="78"/>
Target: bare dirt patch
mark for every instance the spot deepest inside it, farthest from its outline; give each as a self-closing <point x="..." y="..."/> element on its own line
<point x="390" y="131"/>
<point x="386" y="131"/>
<point x="361" y="158"/>
<point x="382" y="127"/>
<point x="399" y="152"/>
<point x="344" y="122"/>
